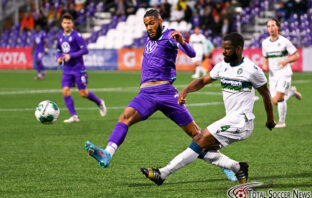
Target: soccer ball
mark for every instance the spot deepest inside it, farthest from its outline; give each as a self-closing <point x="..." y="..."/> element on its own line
<point x="47" y="112"/>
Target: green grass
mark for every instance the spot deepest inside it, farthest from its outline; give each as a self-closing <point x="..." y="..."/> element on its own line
<point x="50" y="160"/>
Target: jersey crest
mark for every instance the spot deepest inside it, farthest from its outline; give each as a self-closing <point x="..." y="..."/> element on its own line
<point x="150" y="46"/>
<point x="65" y="47"/>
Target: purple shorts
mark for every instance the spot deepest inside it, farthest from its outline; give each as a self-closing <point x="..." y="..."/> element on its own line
<point x="38" y="56"/>
<point x="164" y="98"/>
<point x="72" y="78"/>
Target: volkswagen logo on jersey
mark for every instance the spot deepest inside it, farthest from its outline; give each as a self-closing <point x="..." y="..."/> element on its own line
<point x="150" y="46"/>
<point x="65" y="47"/>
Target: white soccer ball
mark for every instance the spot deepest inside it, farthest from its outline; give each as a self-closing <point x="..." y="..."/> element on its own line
<point x="47" y="112"/>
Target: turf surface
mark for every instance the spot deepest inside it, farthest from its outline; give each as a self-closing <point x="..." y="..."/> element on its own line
<point x="50" y="161"/>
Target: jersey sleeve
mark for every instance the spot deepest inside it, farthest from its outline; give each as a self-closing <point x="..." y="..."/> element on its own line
<point x="291" y="49"/>
<point x="258" y="78"/>
<point x="214" y="73"/>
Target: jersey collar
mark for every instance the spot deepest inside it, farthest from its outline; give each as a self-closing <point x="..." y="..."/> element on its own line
<point x="238" y="63"/>
<point x="275" y="40"/>
<point x="67" y="34"/>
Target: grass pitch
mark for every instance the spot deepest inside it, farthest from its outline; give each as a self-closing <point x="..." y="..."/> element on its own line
<point x="50" y="160"/>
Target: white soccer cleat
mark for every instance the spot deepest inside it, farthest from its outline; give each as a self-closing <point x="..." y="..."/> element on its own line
<point x="102" y="108"/>
<point x="195" y="76"/>
<point x="280" y="125"/>
<point x="72" y="119"/>
<point x="296" y="93"/>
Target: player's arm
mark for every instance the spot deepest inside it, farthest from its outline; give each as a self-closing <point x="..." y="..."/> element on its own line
<point x="195" y="85"/>
<point x="59" y="55"/>
<point x="183" y="46"/>
<point x="265" y="93"/>
<point x="82" y="51"/>
<point x="290" y="59"/>
<point x="265" y="66"/>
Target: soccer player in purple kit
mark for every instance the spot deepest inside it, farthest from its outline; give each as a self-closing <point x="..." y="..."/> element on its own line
<point x="39" y="49"/>
<point x="156" y="91"/>
<point x="70" y="49"/>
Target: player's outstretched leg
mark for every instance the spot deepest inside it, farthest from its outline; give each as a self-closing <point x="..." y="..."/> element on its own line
<point x="229" y="174"/>
<point x="242" y="173"/>
<point x="153" y="175"/>
<point x="101" y="155"/>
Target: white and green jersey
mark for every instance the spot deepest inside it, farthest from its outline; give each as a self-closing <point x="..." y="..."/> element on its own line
<point x="238" y="83"/>
<point x="276" y="51"/>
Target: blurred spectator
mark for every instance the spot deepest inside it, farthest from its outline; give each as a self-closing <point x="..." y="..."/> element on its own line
<point x="142" y="3"/>
<point x="165" y="10"/>
<point x="187" y="37"/>
<point x="28" y="22"/>
<point x="177" y="13"/>
<point x="195" y="19"/>
<point x="188" y="13"/>
<point x="60" y="11"/>
<point x="225" y="27"/>
<point x="51" y="15"/>
<point x="216" y="25"/>
<point x="71" y="10"/>
<point x="207" y="19"/>
<point x="281" y="13"/>
<point x="41" y="20"/>
<point x="217" y="10"/>
<point x="244" y="3"/>
<point x="200" y="7"/>
<point x="120" y="7"/>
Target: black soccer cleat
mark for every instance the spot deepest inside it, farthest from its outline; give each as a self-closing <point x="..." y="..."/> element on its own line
<point x="242" y="173"/>
<point x="153" y="175"/>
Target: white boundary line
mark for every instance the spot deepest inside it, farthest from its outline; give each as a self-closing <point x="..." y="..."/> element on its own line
<point x="117" y="89"/>
<point x="110" y="108"/>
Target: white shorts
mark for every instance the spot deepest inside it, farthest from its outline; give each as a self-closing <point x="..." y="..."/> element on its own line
<point x="197" y="58"/>
<point x="281" y="84"/>
<point x="231" y="128"/>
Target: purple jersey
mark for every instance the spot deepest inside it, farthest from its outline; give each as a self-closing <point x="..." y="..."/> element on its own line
<point x="159" y="58"/>
<point x="39" y="41"/>
<point x="74" y="45"/>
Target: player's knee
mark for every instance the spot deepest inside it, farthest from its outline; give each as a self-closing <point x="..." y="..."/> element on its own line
<point x="66" y="92"/>
<point x="125" y="118"/>
<point x="83" y="94"/>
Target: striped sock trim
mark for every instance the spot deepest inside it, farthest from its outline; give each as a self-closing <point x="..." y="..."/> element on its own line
<point x="196" y="148"/>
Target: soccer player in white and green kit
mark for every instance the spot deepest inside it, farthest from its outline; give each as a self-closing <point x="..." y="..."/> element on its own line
<point x="239" y="77"/>
<point x="275" y="50"/>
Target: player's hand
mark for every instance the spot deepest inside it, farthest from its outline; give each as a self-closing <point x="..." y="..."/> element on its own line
<point x="270" y="124"/>
<point x="282" y="63"/>
<point x="182" y="97"/>
<point x="66" y="57"/>
<point x="176" y="35"/>
<point x="60" y="60"/>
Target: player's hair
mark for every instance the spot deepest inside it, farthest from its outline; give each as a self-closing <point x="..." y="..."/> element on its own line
<point x="152" y="12"/>
<point x="235" y="38"/>
<point x="277" y="22"/>
<point x="66" y="15"/>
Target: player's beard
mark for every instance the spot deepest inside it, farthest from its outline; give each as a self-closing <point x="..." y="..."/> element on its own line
<point x="158" y="33"/>
<point x="231" y="58"/>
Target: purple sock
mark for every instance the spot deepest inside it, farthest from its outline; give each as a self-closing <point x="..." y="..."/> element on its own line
<point x="119" y="134"/>
<point x="94" y="98"/>
<point x="39" y="68"/>
<point x="70" y="105"/>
